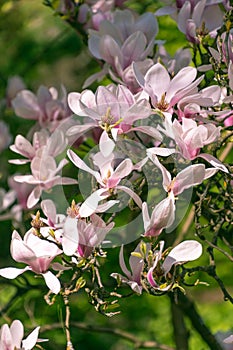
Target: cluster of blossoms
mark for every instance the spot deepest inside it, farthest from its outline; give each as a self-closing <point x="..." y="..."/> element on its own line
<point x="158" y="115"/>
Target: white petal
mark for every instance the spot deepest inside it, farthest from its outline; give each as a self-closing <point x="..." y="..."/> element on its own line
<point x="185" y="251"/>
<point x="52" y="282"/>
<point x="70" y="239"/>
<point x="31" y="339"/>
<point x="12" y="272"/>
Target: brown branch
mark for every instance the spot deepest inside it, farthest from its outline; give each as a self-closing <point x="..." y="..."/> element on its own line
<point x="181" y="335"/>
<point x="188" y="308"/>
<point x="148" y="344"/>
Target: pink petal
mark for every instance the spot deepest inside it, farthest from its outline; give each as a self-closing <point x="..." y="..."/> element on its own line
<point x="132" y="194"/>
<point x="190" y="176"/>
<point x="213" y="161"/>
<point x="91" y="203"/>
<point x="79" y="163"/>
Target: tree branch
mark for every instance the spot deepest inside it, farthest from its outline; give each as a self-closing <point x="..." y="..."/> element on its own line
<point x="148" y="344"/>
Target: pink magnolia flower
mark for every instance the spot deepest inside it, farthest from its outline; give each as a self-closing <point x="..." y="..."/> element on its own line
<point x="112" y="108"/>
<point x="188" y="177"/>
<point x="185" y="251"/>
<point x="47" y="107"/>
<point x="133" y="276"/>
<point x="128" y="38"/>
<point x="37" y="253"/>
<point x="85" y="236"/>
<point x="164" y="91"/>
<point x="195" y="18"/>
<point x="189" y="139"/>
<point x="42" y="141"/>
<point x="11" y="338"/>
<point x="78" y="236"/>
<point x="162" y="216"/>
<point x="44" y="176"/>
<point x="124" y="39"/>
<point x="107" y="177"/>
<point x="190" y="106"/>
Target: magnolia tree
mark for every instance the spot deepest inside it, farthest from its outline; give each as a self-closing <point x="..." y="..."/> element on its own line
<point x="138" y="165"/>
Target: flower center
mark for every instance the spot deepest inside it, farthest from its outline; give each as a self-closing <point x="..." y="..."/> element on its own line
<point x="162" y="104"/>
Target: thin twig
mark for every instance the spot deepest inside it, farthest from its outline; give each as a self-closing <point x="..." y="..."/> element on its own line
<point x="148" y="344"/>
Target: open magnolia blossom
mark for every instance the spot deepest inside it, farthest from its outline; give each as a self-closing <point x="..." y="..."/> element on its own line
<point x="195" y="18"/>
<point x="11" y="338"/>
<point x="107" y="177"/>
<point x="37" y="253"/>
<point x="163" y="90"/>
<point x="186" y="178"/>
<point x="44" y="176"/>
<point x="114" y="109"/>
<point x="46" y="107"/>
<point x="123" y="39"/>
<point x="189" y="138"/>
<point x="185" y="251"/>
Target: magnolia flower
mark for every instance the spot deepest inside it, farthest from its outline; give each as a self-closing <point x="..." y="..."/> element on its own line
<point x="53" y="144"/>
<point x="77" y="235"/>
<point x="44" y="176"/>
<point x="107" y="177"/>
<point x="47" y="107"/>
<point x="195" y="18"/>
<point x="185" y="251"/>
<point x="123" y="40"/>
<point x="91" y="234"/>
<point x="189" y="139"/>
<point x="37" y="253"/>
<point x="133" y="276"/>
<point x="162" y="216"/>
<point x="190" y="105"/>
<point x="112" y="108"/>
<point x="11" y="338"/>
<point x="186" y="178"/>
<point x="164" y="91"/>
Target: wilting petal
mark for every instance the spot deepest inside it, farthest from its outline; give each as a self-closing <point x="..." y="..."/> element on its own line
<point x="52" y="282"/>
<point x="185" y="251"/>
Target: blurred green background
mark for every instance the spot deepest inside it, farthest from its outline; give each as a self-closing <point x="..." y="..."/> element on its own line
<point x="42" y="49"/>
